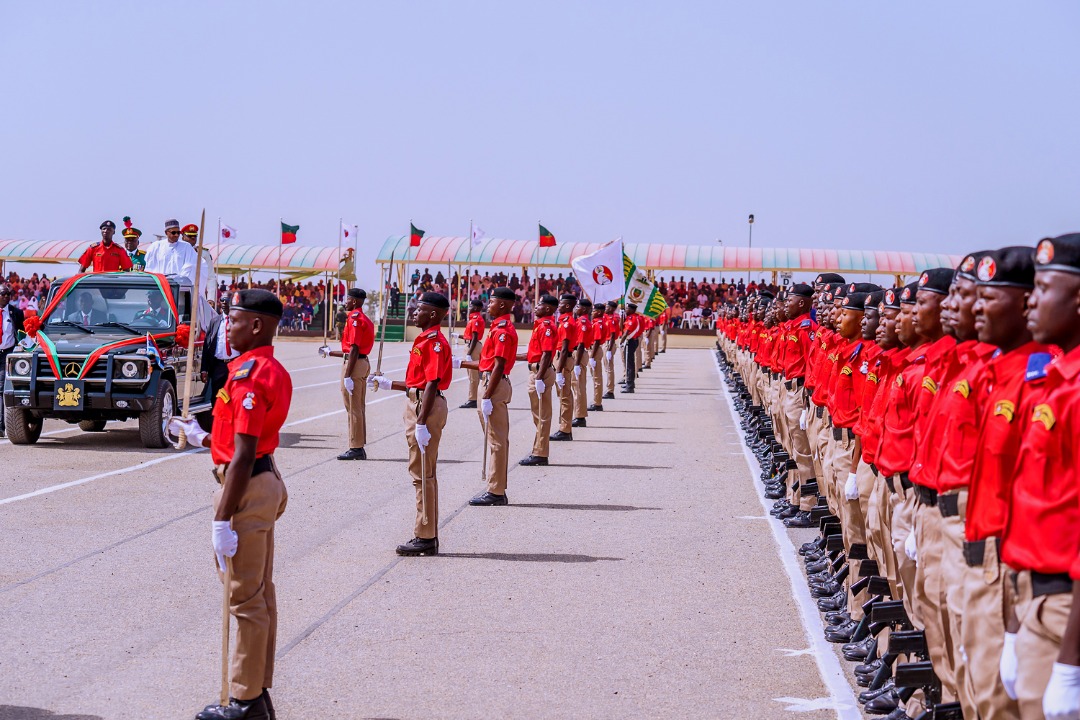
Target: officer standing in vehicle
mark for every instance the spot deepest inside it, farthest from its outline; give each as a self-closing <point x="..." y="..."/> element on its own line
<point x="105" y="256"/>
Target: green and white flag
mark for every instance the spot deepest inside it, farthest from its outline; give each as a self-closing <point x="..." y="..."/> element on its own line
<point x="641" y="291"/>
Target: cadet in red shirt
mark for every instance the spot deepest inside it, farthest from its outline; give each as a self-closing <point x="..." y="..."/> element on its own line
<point x="613" y="330"/>
<point x="568" y="340"/>
<point x="1042" y="537"/>
<point x="248" y="415"/>
<point x="427" y="376"/>
<point x="539" y="356"/>
<point x="105" y="256"/>
<point x="633" y="327"/>
<point x="474" y="333"/>
<point x="596" y="358"/>
<point x="357" y="339"/>
<point x="496" y="361"/>
<point x="580" y="384"/>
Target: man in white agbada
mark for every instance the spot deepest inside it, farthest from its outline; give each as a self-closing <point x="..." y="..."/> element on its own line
<point x="173" y="257"/>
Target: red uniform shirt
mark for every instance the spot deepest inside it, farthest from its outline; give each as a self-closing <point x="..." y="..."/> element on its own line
<point x="796" y="344"/>
<point x="542" y="340"/>
<point x="501" y="341"/>
<point x="569" y="330"/>
<point x="359" y="331"/>
<point x="896" y="451"/>
<point x="879" y="380"/>
<point x="255" y="401"/>
<point x="847" y="388"/>
<point x="1001" y="393"/>
<point x="585" y="328"/>
<point x="634" y="325"/>
<point x="600" y="330"/>
<point x="614" y="326"/>
<point x="429" y="360"/>
<point x="1043" y="532"/>
<point x="474" y="325"/>
<point x="100" y="257"/>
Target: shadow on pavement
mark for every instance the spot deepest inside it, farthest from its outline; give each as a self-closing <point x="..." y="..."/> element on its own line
<point x="15" y="712"/>
<point x="562" y="506"/>
<point x="629" y="442"/>
<point x="528" y="557"/>
<point x="615" y="467"/>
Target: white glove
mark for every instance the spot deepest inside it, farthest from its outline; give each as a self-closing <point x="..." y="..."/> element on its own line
<point x="1007" y="667"/>
<point x="324" y="351"/>
<point x="607" y="355"/>
<point x="457" y="362"/>
<point x="225" y="541"/>
<point x="592" y="363"/>
<point x="194" y="434"/>
<point x="577" y="371"/>
<point x="423" y="436"/>
<point x="541" y="386"/>
<point x="851" y="487"/>
<point x="486" y="406"/>
<point x="379" y="382"/>
<point x="560" y="380"/>
<point x="350" y="385"/>
<point x="802" y="419"/>
<point x="909" y="547"/>
<point x="1061" y="701"/>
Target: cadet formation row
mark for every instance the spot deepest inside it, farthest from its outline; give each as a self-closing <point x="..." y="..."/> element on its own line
<point x="930" y="432"/>
<point x="571" y="339"/>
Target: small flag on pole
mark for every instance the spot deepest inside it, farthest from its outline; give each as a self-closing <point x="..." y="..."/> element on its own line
<point x="288" y="233"/>
<point x="546" y="238"/>
<point x="348" y="232"/>
<point x="227" y="233"/>
<point x="415" y="234"/>
<point x="477" y="235"/>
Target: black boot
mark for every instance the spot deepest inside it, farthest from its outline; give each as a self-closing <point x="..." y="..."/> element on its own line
<point x="236" y="710"/>
<point x="419" y="546"/>
<point x="488" y="499"/>
<point x="353" y="454"/>
<point x="533" y="460"/>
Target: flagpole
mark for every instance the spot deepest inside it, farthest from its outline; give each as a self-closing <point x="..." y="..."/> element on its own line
<point x="536" y="271"/>
<point x="468" y="280"/>
<point x="281" y="295"/>
<point x="217" y="254"/>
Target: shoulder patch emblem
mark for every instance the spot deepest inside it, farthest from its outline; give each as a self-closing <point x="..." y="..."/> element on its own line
<point x="846" y="370"/>
<point x="1005" y="408"/>
<point x="244" y="370"/>
<point x="438" y="347"/>
<point x="1043" y="414"/>
<point x="805" y="323"/>
<point x="249" y="401"/>
<point x="871" y="377"/>
<point x="223" y="396"/>
<point x="900" y="380"/>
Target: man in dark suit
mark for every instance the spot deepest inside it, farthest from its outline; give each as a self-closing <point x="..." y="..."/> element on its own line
<point x="216" y="355"/>
<point x="11" y="324"/>
<point x="85" y="313"/>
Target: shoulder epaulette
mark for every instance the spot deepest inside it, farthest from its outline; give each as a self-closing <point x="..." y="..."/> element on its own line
<point x="432" y="334"/>
<point x="244" y="370"/>
<point x="855" y="353"/>
<point x="1036" y="367"/>
<point x="805" y="323"/>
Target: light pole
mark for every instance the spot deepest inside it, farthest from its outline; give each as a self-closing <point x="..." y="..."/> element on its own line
<point x="750" y="247"/>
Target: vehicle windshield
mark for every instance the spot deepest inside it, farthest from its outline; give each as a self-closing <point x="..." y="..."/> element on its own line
<point x="89" y="305"/>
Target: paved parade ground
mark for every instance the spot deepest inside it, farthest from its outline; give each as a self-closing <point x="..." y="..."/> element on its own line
<point x="636" y="576"/>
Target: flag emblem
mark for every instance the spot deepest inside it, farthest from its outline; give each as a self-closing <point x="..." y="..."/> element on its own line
<point x="602" y="275"/>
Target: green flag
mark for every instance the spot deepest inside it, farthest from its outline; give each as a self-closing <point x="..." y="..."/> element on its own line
<point x="641" y="291"/>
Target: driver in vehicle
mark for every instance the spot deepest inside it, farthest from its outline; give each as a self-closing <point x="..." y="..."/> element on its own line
<point x="85" y="313"/>
<point x="156" y="314"/>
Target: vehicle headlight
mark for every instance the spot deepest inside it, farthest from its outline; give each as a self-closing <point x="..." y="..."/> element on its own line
<point x="21" y="366"/>
<point x="129" y="369"/>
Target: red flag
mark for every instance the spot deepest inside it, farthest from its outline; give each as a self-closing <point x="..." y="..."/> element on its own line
<point x="415" y="234"/>
<point x="546" y="238"/>
<point x="288" y="233"/>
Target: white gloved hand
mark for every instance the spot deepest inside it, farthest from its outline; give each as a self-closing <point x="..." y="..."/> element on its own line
<point x="423" y="436"/>
<point x="909" y="547"/>
<point x="608" y="355"/>
<point x="324" y="351"/>
<point x="592" y="363"/>
<point x="541" y="386"/>
<point x="851" y="487"/>
<point x="802" y="419"/>
<point x="379" y="382"/>
<point x="192" y="431"/>
<point x="225" y="541"/>
<point x="350" y="385"/>
<point x="486" y="406"/>
<point x="457" y="362"/>
<point x="1008" y="665"/>
<point x="1061" y="701"/>
<point x="560" y="380"/>
<point x="577" y="371"/>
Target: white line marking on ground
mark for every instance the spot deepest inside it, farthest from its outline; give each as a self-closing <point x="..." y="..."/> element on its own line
<point x="750" y="517"/>
<point x="788" y="652"/>
<point x="843" y="697"/>
<point x="334" y="363"/>
<point x="804" y="705"/>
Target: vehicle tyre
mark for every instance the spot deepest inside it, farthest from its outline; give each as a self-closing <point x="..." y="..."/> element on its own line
<point x="153" y="422"/>
<point x="92" y="425"/>
<point x="21" y="427"/>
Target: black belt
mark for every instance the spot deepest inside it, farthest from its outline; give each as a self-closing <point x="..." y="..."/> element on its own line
<point x="927" y="496"/>
<point x="796" y="383"/>
<point x="262" y="464"/>
<point x="949" y="505"/>
<point x="839" y="434"/>
<point x="905" y="482"/>
<point x="890" y="484"/>
<point x="359" y="356"/>
<point x="974" y="552"/>
<point x="819" y="411"/>
<point x="1053" y="584"/>
<point x="874" y="468"/>
<point x="417" y="394"/>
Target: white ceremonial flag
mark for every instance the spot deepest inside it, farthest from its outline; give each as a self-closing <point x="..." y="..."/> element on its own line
<point x="227" y="233"/>
<point x="348" y="233"/>
<point x="601" y="273"/>
<point x="477" y="235"/>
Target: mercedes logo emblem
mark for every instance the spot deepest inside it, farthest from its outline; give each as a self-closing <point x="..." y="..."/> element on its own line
<point x="71" y="370"/>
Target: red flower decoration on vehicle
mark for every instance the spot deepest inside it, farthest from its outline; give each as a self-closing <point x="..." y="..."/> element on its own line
<point x="31" y="324"/>
<point x="183" y="335"/>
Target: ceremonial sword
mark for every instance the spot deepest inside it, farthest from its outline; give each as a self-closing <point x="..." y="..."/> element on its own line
<point x="196" y="295"/>
<point x="382" y="321"/>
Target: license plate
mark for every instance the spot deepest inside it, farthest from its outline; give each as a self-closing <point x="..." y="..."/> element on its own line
<point x="70" y="395"/>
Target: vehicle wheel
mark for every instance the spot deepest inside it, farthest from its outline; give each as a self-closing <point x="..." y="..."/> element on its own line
<point x="92" y="425"/>
<point x="153" y="422"/>
<point x="21" y="427"/>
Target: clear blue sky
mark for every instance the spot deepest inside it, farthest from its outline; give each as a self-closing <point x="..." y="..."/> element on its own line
<point x="928" y="126"/>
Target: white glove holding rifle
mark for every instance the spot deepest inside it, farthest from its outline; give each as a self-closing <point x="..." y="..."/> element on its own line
<point x="225" y="541"/>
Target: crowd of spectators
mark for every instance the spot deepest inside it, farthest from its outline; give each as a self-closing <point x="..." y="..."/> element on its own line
<point x="28" y="293"/>
<point x="695" y="303"/>
<point x="302" y="301"/>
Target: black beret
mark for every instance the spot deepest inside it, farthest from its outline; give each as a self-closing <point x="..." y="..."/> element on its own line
<point x="839" y="292"/>
<point x="585" y="302"/>
<point x="891" y="299"/>
<point x="631" y="306"/>
<point x="610" y="303"/>
<point x="802" y="290"/>
<point x="263" y="302"/>
<point x="357" y="293"/>
<point x="477" y="303"/>
<point x="568" y="296"/>
<point x="1008" y="267"/>
<point x="874" y="299"/>
<point x="855" y="301"/>
<point x="967" y="266"/>
<point x="1060" y="253"/>
<point x="107" y="224"/>
<point x="503" y="293"/>
<point x="550" y="300"/>
<point x="829" y="278"/>
<point x="862" y="287"/>
<point x="936" y="280"/>
<point x="766" y="294"/>
<point x="907" y="295"/>
<point x="435" y="299"/>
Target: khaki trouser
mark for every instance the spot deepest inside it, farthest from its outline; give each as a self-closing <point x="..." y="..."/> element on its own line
<point x="903" y="523"/>
<point x="1042" y="625"/>
<point x="929" y="595"/>
<point x="663" y="338"/>
<point x="876" y="537"/>
<point x="654" y="344"/>
<point x="422" y="466"/>
<point x="581" y="387"/>
<point x="252" y="597"/>
<point x="498" y="435"/>
<point x="566" y="399"/>
<point x="541" y="411"/>
<point x="639" y="353"/>
<point x="609" y="369"/>
<point x="800" y="446"/>
<point x="597" y="355"/>
<point x="356" y="401"/>
<point x="474" y="375"/>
